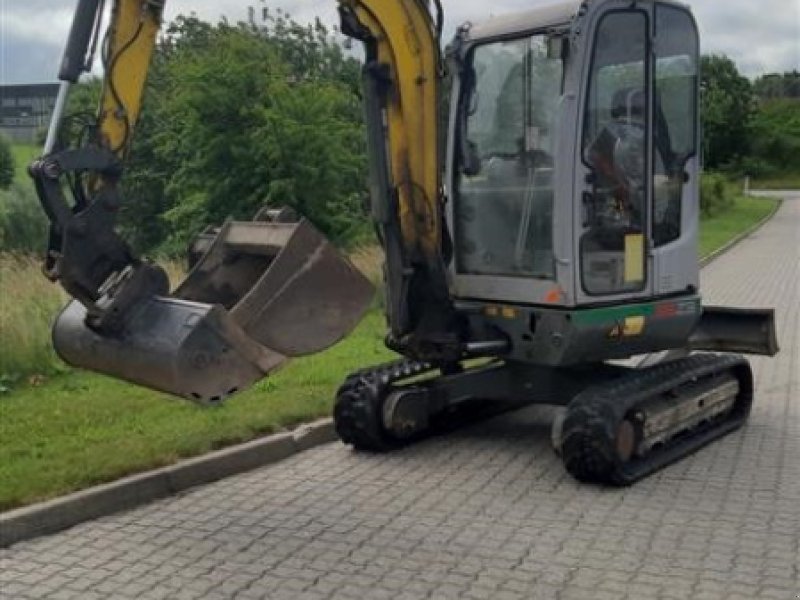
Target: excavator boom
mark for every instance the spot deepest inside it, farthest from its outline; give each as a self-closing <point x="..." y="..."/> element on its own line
<point x="402" y="78"/>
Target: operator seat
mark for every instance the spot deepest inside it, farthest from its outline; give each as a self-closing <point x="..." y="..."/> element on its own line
<point x="617" y="156"/>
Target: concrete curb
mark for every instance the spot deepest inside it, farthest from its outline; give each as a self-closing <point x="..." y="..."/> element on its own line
<point x="99" y="501"/>
<point x="61" y="513"/>
<point x="742" y="236"/>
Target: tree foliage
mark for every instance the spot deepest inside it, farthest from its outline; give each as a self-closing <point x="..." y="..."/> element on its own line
<point x="6" y="164"/>
<point x="727" y="109"/>
<point x="242" y="118"/>
<point x="750" y="129"/>
<point x="236" y="116"/>
<point x="776" y="138"/>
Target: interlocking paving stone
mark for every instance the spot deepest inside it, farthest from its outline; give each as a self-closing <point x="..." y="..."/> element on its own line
<point x="487" y="512"/>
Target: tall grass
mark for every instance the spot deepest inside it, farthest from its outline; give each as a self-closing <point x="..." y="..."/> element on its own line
<point x="369" y="260"/>
<point x="28" y="304"/>
<point x="23" y="225"/>
<point x="23" y="156"/>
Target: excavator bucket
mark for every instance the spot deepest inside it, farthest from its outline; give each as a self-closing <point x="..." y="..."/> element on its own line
<point x="258" y="294"/>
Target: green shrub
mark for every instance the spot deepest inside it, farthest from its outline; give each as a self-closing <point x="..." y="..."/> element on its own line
<point x="23" y="225"/>
<point x="717" y="194"/>
<point x="29" y="304"/>
<point x="6" y="164"/>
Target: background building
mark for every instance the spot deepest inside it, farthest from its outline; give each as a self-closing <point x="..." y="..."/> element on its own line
<point x="25" y="110"/>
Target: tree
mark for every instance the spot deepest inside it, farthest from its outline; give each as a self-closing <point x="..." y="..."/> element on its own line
<point x="6" y="164"/>
<point x="242" y="116"/>
<point x="776" y="138"/>
<point x="777" y="85"/>
<point x="727" y="111"/>
<point x="238" y="115"/>
<point x="310" y="52"/>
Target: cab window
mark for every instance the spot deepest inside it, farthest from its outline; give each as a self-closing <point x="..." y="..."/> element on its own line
<point x="675" y="123"/>
<point x="615" y="140"/>
<point x="504" y="192"/>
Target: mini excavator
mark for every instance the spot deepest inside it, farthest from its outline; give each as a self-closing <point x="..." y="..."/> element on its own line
<point x="547" y="253"/>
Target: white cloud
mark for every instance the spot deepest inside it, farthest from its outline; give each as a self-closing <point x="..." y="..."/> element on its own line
<point x="20" y="24"/>
<point x="760" y="36"/>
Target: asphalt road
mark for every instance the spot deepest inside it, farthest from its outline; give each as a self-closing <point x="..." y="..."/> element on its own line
<point x="487" y="512"/>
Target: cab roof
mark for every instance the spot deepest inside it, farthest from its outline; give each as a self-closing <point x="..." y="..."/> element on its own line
<point x="546" y="15"/>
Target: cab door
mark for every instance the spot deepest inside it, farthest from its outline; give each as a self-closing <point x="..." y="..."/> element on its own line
<point x="676" y="168"/>
<point x="614" y="174"/>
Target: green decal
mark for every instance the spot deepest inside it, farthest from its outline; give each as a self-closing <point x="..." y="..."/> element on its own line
<point x="615" y="314"/>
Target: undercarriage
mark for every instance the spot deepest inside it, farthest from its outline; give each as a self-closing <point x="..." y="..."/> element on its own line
<point x="620" y="425"/>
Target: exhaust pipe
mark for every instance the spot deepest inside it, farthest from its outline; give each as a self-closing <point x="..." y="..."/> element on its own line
<point x="261" y="293"/>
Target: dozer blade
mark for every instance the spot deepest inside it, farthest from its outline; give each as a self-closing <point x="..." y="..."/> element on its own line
<point x="260" y="293"/>
<point x="744" y="330"/>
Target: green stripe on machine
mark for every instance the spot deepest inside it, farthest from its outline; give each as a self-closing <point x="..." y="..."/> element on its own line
<point x="614" y="314"/>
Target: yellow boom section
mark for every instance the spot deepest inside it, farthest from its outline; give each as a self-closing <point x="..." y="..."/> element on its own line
<point x="126" y="59"/>
<point x="406" y="41"/>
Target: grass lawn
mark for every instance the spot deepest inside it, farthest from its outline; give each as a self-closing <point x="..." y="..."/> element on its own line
<point x="79" y="429"/>
<point x="718" y="230"/>
<point x="23" y="155"/>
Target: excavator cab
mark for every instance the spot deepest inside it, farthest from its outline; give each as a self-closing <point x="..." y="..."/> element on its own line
<point x="573" y="175"/>
<point x="575" y="138"/>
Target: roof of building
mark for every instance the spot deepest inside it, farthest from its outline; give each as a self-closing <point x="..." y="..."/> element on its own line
<point x="29" y="89"/>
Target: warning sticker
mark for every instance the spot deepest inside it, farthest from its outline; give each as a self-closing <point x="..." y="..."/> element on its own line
<point x="634" y="258"/>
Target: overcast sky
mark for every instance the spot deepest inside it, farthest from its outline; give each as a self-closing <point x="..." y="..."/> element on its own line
<point x="760" y="35"/>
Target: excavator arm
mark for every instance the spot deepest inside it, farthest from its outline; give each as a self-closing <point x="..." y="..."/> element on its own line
<point x="84" y="252"/>
<point x="261" y="291"/>
<point x="402" y="80"/>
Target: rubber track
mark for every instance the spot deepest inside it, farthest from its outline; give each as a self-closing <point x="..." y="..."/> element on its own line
<point x="359" y="404"/>
<point x="588" y="439"/>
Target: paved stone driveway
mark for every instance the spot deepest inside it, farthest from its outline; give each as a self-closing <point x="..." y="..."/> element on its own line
<point x="484" y="513"/>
